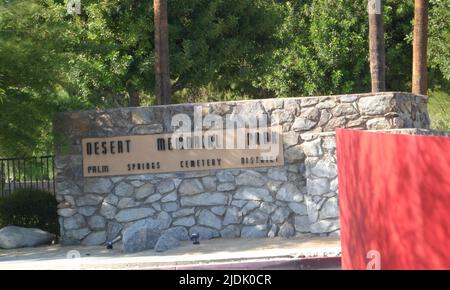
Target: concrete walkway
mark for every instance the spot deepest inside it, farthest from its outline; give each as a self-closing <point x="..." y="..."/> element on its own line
<point x="211" y="254"/>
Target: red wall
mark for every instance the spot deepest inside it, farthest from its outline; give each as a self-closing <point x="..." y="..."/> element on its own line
<point x="394" y="197"/>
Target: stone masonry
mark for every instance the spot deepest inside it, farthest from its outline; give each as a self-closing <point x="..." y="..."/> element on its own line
<point x="299" y="198"/>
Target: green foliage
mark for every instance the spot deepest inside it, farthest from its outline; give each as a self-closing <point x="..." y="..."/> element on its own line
<point x="30" y="208"/>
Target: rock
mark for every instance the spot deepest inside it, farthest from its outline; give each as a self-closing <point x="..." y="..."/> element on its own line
<point x="301" y="224"/>
<point x="232" y="216"/>
<point x="258" y="231"/>
<point x="281" y="116"/>
<point x="375" y="105"/>
<point x="309" y="101"/>
<point x="145" y="190"/>
<point x="280" y="215"/>
<point x="273" y="185"/>
<point x="325" y="116"/>
<point x="124" y="189"/>
<point x="113" y="230"/>
<point x="312" y="208"/>
<point x="170" y="197"/>
<point x="256" y="217"/>
<point x="205" y="199"/>
<point x="279" y="174"/>
<point x="204" y="233"/>
<point x="12" y="237"/>
<point x="317" y="186"/>
<point x="108" y="211"/>
<point x="268" y="207"/>
<point x="183" y="212"/>
<point x="330" y="209"/>
<point x="303" y="124"/>
<point x="312" y="148"/>
<point x="89" y="199"/>
<point x="325" y="168"/>
<point x="94" y="239"/>
<point x="249" y="206"/>
<point x="170" y="206"/>
<point x="166" y="242"/>
<point x="165" y="186"/>
<point x="344" y="109"/>
<point x="132" y="214"/>
<point x="253" y="193"/>
<point x="294" y="154"/>
<point x="230" y="232"/>
<point x="190" y="187"/>
<point x="298" y="208"/>
<point x="140" y="236"/>
<point x="73" y="237"/>
<point x="209" y="183"/>
<point x="378" y="124"/>
<point x="127" y="202"/>
<point x="152" y="198"/>
<point x="327" y="104"/>
<point x="67" y="212"/>
<point x="250" y="178"/>
<point x="324" y="226"/>
<point x="111" y="199"/>
<point x="225" y="176"/>
<point x="334" y="185"/>
<point x="74" y="222"/>
<point x="290" y="138"/>
<point x="209" y="219"/>
<point x="180" y="233"/>
<point x="272" y="231"/>
<point x="137" y="183"/>
<point x="87" y="210"/>
<point x="290" y="193"/>
<point x="185" y="221"/>
<point x="218" y="210"/>
<point x="226" y="186"/>
<point x="329" y="143"/>
<point x="97" y="222"/>
<point x="348" y="99"/>
<point x="312" y="114"/>
<point x="286" y="230"/>
<point x="97" y="185"/>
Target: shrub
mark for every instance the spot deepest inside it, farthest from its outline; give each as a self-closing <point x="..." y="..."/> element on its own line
<point x="30" y="208"/>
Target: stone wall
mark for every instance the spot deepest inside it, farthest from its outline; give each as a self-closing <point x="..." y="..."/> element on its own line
<point x="297" y="198"/>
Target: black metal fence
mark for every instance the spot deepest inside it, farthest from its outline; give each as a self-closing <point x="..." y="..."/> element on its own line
<point x="29" y="172"/>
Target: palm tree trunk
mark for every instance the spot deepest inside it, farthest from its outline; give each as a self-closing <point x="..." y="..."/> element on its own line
<point x="419" y="76"/>
<point x="162" y="76"/>
<point x="376" y="46"/>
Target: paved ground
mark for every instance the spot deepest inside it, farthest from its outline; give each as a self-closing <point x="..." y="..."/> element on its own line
<point x="213" y="254"/>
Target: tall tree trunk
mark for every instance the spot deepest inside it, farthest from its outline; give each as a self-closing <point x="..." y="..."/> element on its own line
<point x="419" y="74"/>
<point x="376" y="45"/>
<point x="162" y="76"/>
<point x="135" y="100"/>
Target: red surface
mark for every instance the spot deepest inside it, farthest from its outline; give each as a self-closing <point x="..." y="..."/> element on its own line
<point x="394" y="197"/>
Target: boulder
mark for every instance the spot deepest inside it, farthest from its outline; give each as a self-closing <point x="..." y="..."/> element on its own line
<point x="12" y="237"/>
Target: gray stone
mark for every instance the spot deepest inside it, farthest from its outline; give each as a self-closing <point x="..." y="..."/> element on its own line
<point x="325" y="168"/>
<point x="312" y="209"/>
<point x="324" y="226"/>
<point x="75" y="236"/>
<point x="166" y="242"/>
<point x="309" y="101"/>
<point x="232" y="216"/>
<point x="286" y="230"/>
<point x="147" y="129"/>
<point x="301" y="224"/>
<point x="205" y="199"/>
<point x="378" y="124"/>
<point x="298" y="208"/>
<point x="317" y="186"/>
<point x="170" y="206"/>
<point x="209" y="183"/>
<point x="67" y="212"/>
<point x="170" y="197"/>
<point x="327" y="104"/>
<point x="303" y="124"/>
<point x="140" y="236"/>
<point x="190" y="187"/>
<point x="127" y="202"/>
<point x="97" y="185"/>
<point x="184" y="221"/>
<point x="183" y="212"/>
<point x="279" y="174"/>
<point x="180" y="233"/>
<point x="253" y="193"/>
<point x="312" y="114"/>
<point x="239" y="203"/>
<point x="294" y="154"/>
<point x="273" y="185"/>
<point x="152" y="198"/>
<point x="281" y="117"/>
<point x="375" y="105"/>
<point x="250" y="178"/>
<point x="218" y="210"/>
<point x="226" y="186"/>
<point x="89" y="199"/>
<point x="258" y="231"/>
<point x="230" y="232"/>
<point x="330" y="209"/>
<point x="111" y="199"/>
<point x="280" y="215"/>
<point x="325" y="116"/>
<point x="268" y="207"/>
<point x="76" y="221"/>
<point x="145" y="191"/>
<point x="348" y="99"/>
<point x="344" y="109"/>
<point x="312" y="148"/>
<point x="329" y="143"/>
<point x="12" y="237"/>
<point x="225" y="176"/>
<point x="137" y="183"/>
<point x="94" y="239"/>
<point x="256" y="217"/>
<point x="132" y="214"/>
<point x="272" y="231"/>
<point x="124" y="189"/>
<point x="209" y="219"/>
<point x="113" y="230"/>
<point x="97" y="222"/>
<point x="204" y="233"/>
<point x="290" y="193"/>
<point x="165" y="186"/>
<point x="290" y="138"/>
<point x="108" y="210"/>
<point x="87" y="210"/>
<point x="249" y="206"/>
